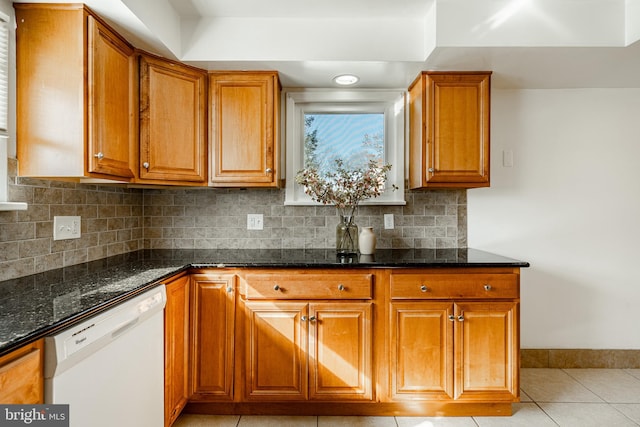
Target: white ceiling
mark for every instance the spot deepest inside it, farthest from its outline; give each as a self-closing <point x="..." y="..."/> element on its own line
<point x="301" y="8"/>
<point x="526" y="43"/>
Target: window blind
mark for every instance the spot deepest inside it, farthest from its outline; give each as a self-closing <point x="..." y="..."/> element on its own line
<point x="4" y="73"/>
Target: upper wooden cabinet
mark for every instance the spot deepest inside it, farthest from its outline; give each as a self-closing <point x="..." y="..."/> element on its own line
<point x="173" y="129"/>
<point x="74" y="94"/>
<point x="449" y="130"/>
<point x="244" y="108"/>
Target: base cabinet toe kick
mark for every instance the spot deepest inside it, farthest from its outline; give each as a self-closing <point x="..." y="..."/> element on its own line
<point x="357" y="341"/>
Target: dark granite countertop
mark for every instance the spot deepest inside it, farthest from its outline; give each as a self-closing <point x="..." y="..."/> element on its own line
<point x="37" y="305"/>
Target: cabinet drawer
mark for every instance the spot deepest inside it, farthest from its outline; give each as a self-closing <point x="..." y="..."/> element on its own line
<point x="454" y="286"/>
<point x="308" y="286"/>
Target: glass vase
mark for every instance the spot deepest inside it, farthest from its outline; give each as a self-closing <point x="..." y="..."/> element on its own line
<point x="346" y="236"/>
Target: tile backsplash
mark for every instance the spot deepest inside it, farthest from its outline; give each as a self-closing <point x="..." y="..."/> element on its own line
<point x="118" y="220"/>
<point x="214" y="219"/>
<point x="111" y="224"/>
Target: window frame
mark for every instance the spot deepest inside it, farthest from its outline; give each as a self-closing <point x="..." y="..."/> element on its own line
<point x="391" y="102"/>
<point x="7" y="134"/>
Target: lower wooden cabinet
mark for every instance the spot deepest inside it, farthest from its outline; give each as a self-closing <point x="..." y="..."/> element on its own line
<point x="304" y="350"/>
<point x="486" y="351"/>
<point x="22" y="375"/>
<point x="454" y="336"/>
<point x="213" y="317"/>
<point x="176" y="348"/>
<point x="462" y="351"/>
<point x="380" y="341"/>
<point x="421" y="345"/>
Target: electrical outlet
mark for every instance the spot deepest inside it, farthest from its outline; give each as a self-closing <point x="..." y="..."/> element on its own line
<point x="388" y="221"/>
<point x="66" y="227"/>
<point x="255" y="222"/>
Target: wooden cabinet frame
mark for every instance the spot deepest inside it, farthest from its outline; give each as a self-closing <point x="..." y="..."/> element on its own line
<point x="74" y="94"/>
<point x="384" y="341"/>
<point x="244" y="122"/>
<point x="449" y="117"/>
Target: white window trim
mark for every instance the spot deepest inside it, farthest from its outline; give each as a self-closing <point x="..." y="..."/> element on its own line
<point x="5" y="205"/>
<point x="391" y="102"/>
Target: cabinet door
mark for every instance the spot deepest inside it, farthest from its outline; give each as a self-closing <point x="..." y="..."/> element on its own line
<point x="457" y="119"/>
<point x="22" y="376"/>
<point x="213" y="330"/>
<point x="340" y="352"/>
<point x="421" y="365"/>
<point x="486" y="351"/>
<point x="276" y="351"/>
<point x="176" y="348"/>
<point x="449" y="130"/>
<point x="244" y="124"/>
<point x="172" y="121"/>
<point x="110" y="96"/>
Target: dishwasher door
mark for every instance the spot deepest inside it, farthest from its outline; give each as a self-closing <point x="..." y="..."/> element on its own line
<point x="110" y="368"/>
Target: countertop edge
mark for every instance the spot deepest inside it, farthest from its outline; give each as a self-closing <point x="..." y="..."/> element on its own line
<point x="46" y="330"/>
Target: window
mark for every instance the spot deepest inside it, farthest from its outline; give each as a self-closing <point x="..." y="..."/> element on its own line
<point x="354" y="126"/>
<point x="4" y="73"/>
<point x="5" y="35"/>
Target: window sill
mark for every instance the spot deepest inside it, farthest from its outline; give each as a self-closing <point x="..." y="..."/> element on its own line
<point x="13" y="206"/>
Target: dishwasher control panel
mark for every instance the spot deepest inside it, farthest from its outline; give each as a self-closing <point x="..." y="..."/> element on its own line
<point x="82" y="339"/>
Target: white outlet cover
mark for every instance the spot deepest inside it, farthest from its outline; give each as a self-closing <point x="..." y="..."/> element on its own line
<point x="255" y="222"/>
<point x="66" y="227"/>
<point x="388" y="222"/>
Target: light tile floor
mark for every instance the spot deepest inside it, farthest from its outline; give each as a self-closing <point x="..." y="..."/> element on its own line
<point x="549" y="397"/>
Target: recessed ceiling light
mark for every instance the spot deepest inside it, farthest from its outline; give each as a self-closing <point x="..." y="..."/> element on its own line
<point x="346" y="79"/>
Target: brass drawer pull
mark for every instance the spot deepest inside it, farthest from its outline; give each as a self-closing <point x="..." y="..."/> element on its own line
<point x="424" y="288"/>
<point x="487" y="287"/>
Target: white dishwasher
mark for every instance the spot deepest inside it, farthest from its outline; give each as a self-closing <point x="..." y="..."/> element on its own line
<point x="110" y="368"/>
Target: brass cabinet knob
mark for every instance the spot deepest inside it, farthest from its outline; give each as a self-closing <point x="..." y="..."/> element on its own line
<point x="424" y="288"/>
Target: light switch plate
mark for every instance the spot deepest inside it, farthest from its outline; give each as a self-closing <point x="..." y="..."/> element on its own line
<point x="66" y="227"/>
<point x="388" y="222"/>
<point x="507" y="158"/>
<point x="255" y="222"/>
